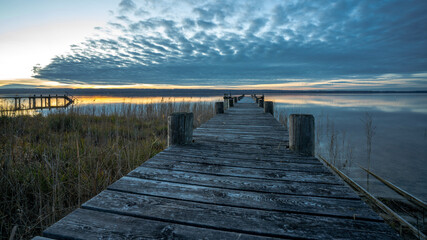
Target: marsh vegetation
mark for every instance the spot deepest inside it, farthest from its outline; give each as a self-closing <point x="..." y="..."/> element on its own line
<point x="52" y="163"/>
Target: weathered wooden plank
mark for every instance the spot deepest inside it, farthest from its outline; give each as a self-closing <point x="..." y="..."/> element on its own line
<point x="89" y="224"/>
<point x="245" y="184"/>
<point x="241" y="220"/>
<point x="247" y="163"/>
<point x="263" y="132"/>
<point x="225" y="127"/>
<point x="246" y="199"/>
<point x="243" y="121"/>
<point x="250" y="145"/>
<point x="41" y="238"/>
<point x="261" y="174"/>
<point x="238" y="147"/>
<point x="241" y="138"/>
<point x="223" y="153"/>
<point x="248" y="131"/>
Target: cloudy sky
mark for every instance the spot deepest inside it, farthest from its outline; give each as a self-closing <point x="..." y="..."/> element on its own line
<point x="270" y="44"/>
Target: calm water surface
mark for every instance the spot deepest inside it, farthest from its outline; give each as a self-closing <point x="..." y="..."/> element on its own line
<point x="399" y="143"/>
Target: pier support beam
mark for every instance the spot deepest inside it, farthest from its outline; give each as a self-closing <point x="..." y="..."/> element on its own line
<point x="301" y="134"/>
<point x="269" y="107"/>
<point x="219" y="107"/>
<point x="180" y="128"/>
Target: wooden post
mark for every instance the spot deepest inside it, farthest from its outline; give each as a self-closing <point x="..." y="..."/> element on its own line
<point x="269" y="107"/>
<point x="219" y="107"/>
<point x="301" y="134"/>
<point x="29" y="102"/>
<point x="41" y="101"/>
<point x="16" y="103"/>
<point x="225" y="103"/>
<point x="180" y="128"/>
<point x="48" y="101"/>
<point x="230" y="102"/>
<point x="235" y="99"/>
<point x="261" y="103"/>
<point x="34" y="101"/>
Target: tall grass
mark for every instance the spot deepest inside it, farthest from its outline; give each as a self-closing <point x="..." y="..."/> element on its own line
<point x="51" y="164"/>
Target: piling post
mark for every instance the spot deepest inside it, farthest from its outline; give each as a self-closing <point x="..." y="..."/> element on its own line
<point x="301" y="134"/>
<point x="16" y="103"/>
<point x="41" y="101"/>
<point x="34" y="101"/>
<point x="230" y="102"/>
<point x="180" y="128"/>
<point x="225" y="103"/>
<point x="235" y="99"/>
<point x="269" y="107"/>
<point x="261" y="102"/>
<point x="29" y="102"/>
<point x="219" y="107"/>
<point x="49" y="102"/>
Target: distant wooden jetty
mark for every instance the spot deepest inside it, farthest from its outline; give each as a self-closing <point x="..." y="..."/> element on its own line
<point x="37" y="102"/>
<point x="232" y="178"/>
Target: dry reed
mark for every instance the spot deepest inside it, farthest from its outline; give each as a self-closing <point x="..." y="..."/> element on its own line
<point x="51" y="164"/>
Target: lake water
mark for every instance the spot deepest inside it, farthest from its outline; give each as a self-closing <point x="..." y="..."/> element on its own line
<point x="399" y="142"/>
<point x="399" y="123"/>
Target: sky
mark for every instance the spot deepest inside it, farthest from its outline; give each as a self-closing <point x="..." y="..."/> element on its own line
<point x="269" y="44"/>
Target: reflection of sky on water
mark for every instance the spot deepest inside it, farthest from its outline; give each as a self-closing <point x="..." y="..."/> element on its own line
<point x="399" y="148"/>
<point x="373" y="102"/>
<point x="96" y="100"/>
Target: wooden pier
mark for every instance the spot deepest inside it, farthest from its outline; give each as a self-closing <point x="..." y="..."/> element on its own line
<point x="37" y="102"/>
<point x="237" y="179"/>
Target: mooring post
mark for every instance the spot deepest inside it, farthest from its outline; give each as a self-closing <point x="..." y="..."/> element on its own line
<point x="301" y="134"/>
<point x="34" y="101"/>
<point x="180" y="128"/>
<point x="219" y="107"/>
<point x="235" y="99"/>
<point x="261" y="102"/>
<point x="230" y="102"/>
<point x="29" y="102"/>
<point x="269" y="107"/>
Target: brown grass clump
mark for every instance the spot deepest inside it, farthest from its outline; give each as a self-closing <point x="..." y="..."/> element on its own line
<point x="51" y="164"/>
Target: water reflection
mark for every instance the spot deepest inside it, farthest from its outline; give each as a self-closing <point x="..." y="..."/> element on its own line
<point x="104" y="100"/>
<point x="399" y="145"/>
<point x="380" y="102"/>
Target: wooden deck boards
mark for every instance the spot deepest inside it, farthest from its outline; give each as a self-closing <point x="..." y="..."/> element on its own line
<point x="237" y="180"/>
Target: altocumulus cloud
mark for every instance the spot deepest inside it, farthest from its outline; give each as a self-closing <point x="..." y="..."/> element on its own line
<point x="250" y="41"/>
